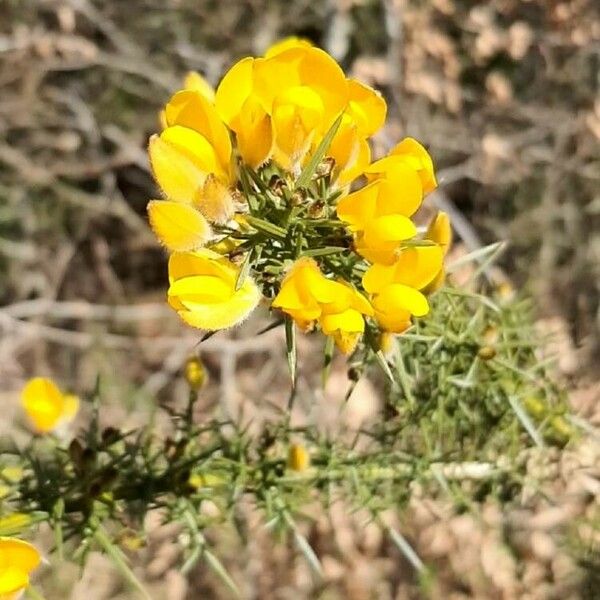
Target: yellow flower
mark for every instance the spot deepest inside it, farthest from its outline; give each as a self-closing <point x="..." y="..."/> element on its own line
<point x="202" y="290"/>
<point x="307" y="295"/>
<point x="46" y="406"/>
<point x="191" y="162"/>
<point x="440" y="232"/>
<point x="298" y="458"/>
<point x="17" y="560"/>
<point x="291" y="97"/>
<point x="379" y="213"/>
<point x="395" y="288"/>
<point x="195" y="373"/>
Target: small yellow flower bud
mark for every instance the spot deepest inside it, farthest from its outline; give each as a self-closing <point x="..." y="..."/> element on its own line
<point x="535" y="407"/>
<point x="490" y="335"/>
<point x="298" y="458"/>
<point x="505" y="291"/>
<point x="486" y="352"/>
<point x="195" y="373"/>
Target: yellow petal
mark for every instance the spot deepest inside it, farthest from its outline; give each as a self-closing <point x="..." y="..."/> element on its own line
<point x="43" y="403"/>
<point x="401" y="190"/>
<point x="419" y="158"/>
<point x="395" y="322"/>
<point x="70" y="406"/>
<point x="194" y="81"/>
<point x="302" y="66"/>
<point x="200" y="262"/>
<point x="286" y="44"/>
<point x="377" y="277"/>
<point x="418" y="266"/>
<point x="191" y="109"/>
<point x="415" y="267"/>
<point x="366" y="107"/>
<point x="297" y="115"/>
<point x="203" y="291"/>
<point x="234" y="89"/>
<point x="398" y="297"/>
<point x="178" y="226"/>
<point x="358" y="208"/>
<point x="200" y="289"/>
<point x="181" y="159"/>
<point x="226" y="314"/>
<point x="17" y="560"/>
<point x="440" y="231"/>
<point x="12" y="581"/>
<point x="349" y="320"/>
<point x="355" y="169"/>
<point x="391" y="228"/>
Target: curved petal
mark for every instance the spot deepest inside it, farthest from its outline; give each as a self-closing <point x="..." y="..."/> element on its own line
<point x="235" y="87"/>
<point x="440" y="231"/>
<point x="398" y="297"/>
<point x="194" y="81"/>
<point x="349" y="320"/>
<point x="390" y="228"/>
<point x="418" y="157"/>
<point x="226" y="314"/>
<point x="201" y="262"/>
<point x="180" y="227"/>
<point x="358" y="208"/>
<point x="181" y="159"/>
<point x="254" y="134"/>
<point x="189" y="108"/>
<point x="366" y="107"/>
<point x="401" y="189"/>
<point x="19" y="554"/>
<point x="418" y="266"/>
<point x="286" y="44"/>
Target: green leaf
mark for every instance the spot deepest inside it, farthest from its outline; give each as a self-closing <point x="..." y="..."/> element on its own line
<point x="326" y="251"/>
<point x="244" y="271"/>
<point x="266" y="227"/>
<point x="318" y="156"/>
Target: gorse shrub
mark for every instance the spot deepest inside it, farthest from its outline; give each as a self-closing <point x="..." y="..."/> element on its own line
<point x="270" y="195"/>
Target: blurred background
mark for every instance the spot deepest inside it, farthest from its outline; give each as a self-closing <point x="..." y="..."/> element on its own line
<point x="505" y="95"/>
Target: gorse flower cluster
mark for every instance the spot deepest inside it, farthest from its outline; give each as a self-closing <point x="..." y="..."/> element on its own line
<point x="270" y="191"/>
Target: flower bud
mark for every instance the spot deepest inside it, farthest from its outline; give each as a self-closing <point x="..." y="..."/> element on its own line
<point x="316" y="210"/>
<point x="325" y="167"/>
<point x="486" y="352"/>
<point x="298" y="458"/>
<point x="195" y="373"/>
